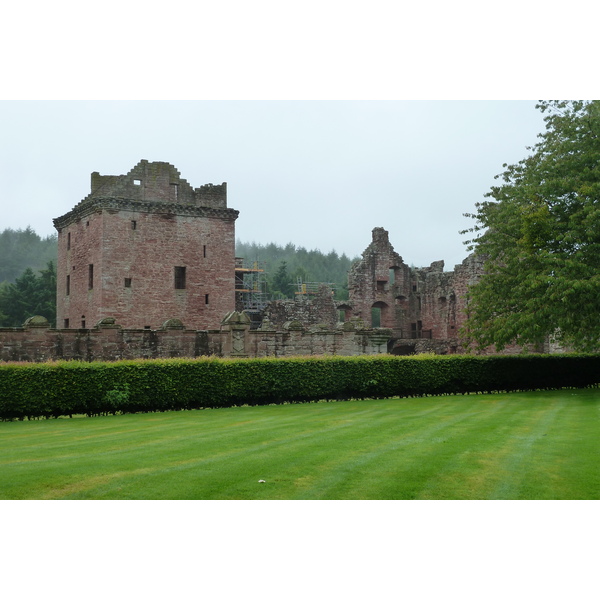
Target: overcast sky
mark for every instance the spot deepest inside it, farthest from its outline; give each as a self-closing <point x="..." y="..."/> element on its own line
<point x="318" y="174"/>
<point x="314" y="115"/>
<point x="314" y="173"/>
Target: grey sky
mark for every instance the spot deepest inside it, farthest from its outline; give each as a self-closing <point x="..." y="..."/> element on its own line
<point x="319" y="174"/>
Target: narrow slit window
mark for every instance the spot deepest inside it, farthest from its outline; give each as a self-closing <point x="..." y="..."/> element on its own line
<point x="133" y="225"/>
<point x="204" y="251"/>
<point x="90" y="277"/>
<point x="205" y="298"/>
<point x="69" y="240"/>
<point x="180" y="278"/>
<point x="68" y="285"/>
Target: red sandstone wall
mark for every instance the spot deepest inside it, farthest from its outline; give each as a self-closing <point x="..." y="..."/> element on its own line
<point x="148" y="256"/>
<point x="135" y="229"/>
<point x="81" y="304"/>
<point x="371" y="283"/>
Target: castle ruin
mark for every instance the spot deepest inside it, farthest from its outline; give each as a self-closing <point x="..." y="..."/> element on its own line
<point x="147" y="269"/>
<point x="144" y="247"/>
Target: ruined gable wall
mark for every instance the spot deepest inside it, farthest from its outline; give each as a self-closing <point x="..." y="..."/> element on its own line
<point x="421" y="303"/>
<point x="381" y="278"/>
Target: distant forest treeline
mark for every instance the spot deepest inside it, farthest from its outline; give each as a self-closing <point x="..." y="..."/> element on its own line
<point x="27" y="276"/>
<point x="28" y="280"/>
<point x="284" y="265"/>
<point x="22" y="249"/>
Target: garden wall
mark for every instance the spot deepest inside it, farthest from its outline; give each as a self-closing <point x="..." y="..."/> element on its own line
<point x="36" y="341"/>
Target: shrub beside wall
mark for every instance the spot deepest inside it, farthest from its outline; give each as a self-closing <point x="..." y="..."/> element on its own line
<point x="30" y="390"/>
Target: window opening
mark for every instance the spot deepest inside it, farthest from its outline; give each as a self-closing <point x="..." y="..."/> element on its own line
<point x="66" y="323"/>
<point x="179" y="278"/>
<point x="134" y="225"/>
<point x="375" y="317"/>
<point x="137" y="182"/>
<point x="205" y="298"/>
<point x="90" y="277"/>
<point x="127" y="282"/>
<point x="175" y="187"/>
<point x="68" y="285"/>
<point x="204" y="251"/>
<point x="69" y="240"/>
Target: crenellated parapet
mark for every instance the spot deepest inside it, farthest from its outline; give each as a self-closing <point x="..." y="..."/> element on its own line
<point x="150" y="187"/>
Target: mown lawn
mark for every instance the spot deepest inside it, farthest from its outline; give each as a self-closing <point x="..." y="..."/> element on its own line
<point x="534" y="445"/>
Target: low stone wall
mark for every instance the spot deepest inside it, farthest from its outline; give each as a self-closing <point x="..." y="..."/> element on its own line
<point x="37" y="342"/>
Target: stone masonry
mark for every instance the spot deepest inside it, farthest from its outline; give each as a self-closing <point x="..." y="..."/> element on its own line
<point x="146" y="269"/>
<point x="146" y="247"/>
<point x="425" y="308"/>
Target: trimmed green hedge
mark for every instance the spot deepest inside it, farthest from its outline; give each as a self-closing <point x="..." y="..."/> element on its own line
<point x="29" y="390"/>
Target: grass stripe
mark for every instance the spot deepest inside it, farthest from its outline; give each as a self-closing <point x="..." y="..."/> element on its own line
<point x="503" y="446"/>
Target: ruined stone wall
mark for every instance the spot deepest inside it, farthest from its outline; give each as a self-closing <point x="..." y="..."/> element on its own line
<point x="426" y="308"/>
<point x="380" y="280"/>
<point x="105" y="342"/>
<point x="108" y="341"/>
<point x="319" y="309"/>
<point x="437" y="303"/>
<point x="118" y="251"/>
<point x="466" y="275"/>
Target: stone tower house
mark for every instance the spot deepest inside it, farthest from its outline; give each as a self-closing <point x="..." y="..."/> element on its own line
<point x="144" y="248"/>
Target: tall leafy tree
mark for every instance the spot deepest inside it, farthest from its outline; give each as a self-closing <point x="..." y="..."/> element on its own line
<point x="539" y="233"/>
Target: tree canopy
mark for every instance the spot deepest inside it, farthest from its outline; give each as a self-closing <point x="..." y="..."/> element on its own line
<point x="308" y="265"/>
<point x="28" y="296"/>
<point x="24" y="248"/>
<point x="539" y="233"/>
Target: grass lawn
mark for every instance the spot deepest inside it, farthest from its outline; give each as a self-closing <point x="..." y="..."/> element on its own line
<point x="534" y="445"/>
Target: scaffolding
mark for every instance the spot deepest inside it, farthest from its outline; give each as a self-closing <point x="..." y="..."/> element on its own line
<point x="311" y="288"/>
<point x="250" y="286"/>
